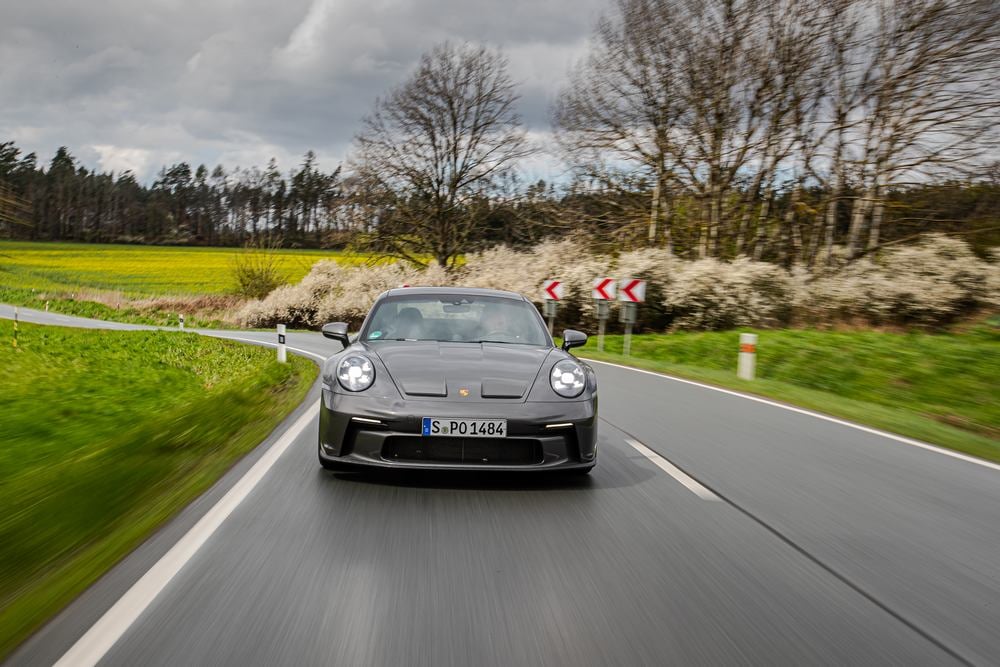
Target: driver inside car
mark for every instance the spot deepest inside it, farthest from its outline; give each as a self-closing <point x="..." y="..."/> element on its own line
<point x="494" y="325"/>
<point x="409" y="325"/>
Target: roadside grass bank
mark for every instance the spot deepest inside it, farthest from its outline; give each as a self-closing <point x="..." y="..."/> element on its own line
<point x="200" y="312"/>
<point x="939" y="388"/>
<point x="108" y="434"/>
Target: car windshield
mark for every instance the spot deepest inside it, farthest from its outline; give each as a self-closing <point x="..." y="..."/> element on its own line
<point x="456" y="318"/>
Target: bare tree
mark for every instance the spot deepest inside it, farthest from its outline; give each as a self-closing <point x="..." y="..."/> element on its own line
<point x="759" y="118"/>
<point x="928" y="98"/>
<point x="621" y="101"/>
<point x="433" y="148"/>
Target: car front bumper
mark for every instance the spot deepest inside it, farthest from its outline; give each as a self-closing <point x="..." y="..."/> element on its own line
<point x="362" y="431"/>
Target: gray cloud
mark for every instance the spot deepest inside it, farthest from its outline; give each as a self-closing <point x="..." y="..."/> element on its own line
<point x="139" y="84"/>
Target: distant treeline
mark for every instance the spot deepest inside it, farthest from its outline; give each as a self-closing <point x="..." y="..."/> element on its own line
<point x="63" y="200"/>
<point x="184" y="204"/>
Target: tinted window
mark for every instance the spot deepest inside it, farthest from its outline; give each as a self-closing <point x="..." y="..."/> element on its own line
<point x="456" y="318"/>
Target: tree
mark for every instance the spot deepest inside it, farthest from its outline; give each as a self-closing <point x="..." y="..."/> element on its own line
<point x="434" y="147"/>
<point x="928" y="98"/>
<point x="621" y="102"/>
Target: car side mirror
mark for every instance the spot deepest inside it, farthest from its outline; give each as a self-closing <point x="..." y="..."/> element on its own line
<point x="573" y="338"/>
<point x="337" y="331"/>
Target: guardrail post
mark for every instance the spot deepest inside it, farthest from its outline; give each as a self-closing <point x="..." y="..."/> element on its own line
<point x="282" y="352"/>
<point x="746" y="366"/>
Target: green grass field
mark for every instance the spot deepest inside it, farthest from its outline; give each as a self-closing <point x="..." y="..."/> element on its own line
<point x="108" y="434"/>
<point x="137" y="270"/>
<point x="941" y="388"/>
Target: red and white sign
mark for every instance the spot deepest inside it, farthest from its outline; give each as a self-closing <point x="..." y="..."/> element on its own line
<point x="552" y="290"/>
<point x="632" y="290"/>
<point x="604" y="288"/>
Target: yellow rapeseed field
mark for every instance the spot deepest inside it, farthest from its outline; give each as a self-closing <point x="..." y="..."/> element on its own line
<point x="136" y="270"/>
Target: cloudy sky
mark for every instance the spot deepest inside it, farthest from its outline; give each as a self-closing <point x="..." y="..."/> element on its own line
<point x="136" y="85"/>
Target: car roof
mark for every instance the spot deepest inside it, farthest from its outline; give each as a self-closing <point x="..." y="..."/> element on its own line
<point x="470" y="291"/>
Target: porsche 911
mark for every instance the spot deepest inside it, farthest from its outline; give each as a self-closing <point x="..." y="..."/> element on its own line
<point x="456" y="378"/>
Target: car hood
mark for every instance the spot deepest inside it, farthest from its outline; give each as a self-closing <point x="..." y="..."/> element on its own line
<point x="486" y="371"/>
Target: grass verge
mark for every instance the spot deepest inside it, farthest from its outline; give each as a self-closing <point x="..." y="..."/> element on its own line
<point x="199" y="312"/>
<point x="939" y="388"/>
<point x="107" y="435"/>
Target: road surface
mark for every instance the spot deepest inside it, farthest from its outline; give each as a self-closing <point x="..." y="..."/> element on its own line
<point x="716" y="529"/>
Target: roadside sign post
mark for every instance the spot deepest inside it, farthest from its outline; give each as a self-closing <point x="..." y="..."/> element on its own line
<point x="626" y="315"/>
<point x="14" y="341"/>
<point x="746" y="365"/>
<point x="282" y="351"/>
<point x="180" y="320"/>
<point x="631" y="292"/>
<point x="551" y="307"/>
<point x="552" y="292"/>
<point x="603" y="291"/>
<point x="602" y="319"/>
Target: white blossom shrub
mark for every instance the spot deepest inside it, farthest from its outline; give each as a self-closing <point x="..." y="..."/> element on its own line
<point x="709" y="294"/>
<point x="928" y="284"/>
<point x="296" y="305"/>
<point x="993" y="279"/>
<point x="335" y="292"/>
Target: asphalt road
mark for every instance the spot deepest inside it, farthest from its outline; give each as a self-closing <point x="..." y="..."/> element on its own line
<point x="791" y="539"/>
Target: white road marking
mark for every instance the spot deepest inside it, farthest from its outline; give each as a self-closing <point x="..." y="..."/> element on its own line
<point x="817" y="415"/>
<point x="666" y="466"/>
<point x="320" y="357"/>
<point x="99" y="639"/>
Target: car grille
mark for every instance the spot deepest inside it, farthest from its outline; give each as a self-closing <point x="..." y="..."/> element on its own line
<point x="484" y="451"/>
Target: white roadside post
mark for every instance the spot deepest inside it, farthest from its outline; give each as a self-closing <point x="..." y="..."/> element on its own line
<point x="747" y="364"/>
<point x="552" y="292"/>
<point x="282" y="351"/>
<point x="46" y="306"/>
<point x="180" y="320"/>
<point x="603" y="291"/>
<point x="631" y="293"/>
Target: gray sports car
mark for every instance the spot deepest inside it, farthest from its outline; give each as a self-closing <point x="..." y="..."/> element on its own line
<point x="456" y="378"/>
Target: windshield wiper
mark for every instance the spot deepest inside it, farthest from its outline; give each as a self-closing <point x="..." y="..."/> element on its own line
<point x="417" y="340"/>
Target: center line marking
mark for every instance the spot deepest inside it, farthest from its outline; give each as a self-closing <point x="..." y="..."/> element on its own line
<point x="666" y="466"/>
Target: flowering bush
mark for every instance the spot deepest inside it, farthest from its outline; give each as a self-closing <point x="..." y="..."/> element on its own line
<point x="928" y="283"/>
<point x="709" y="294"/>
<point x="334" y="292"/>
<point x="993" y="279"/>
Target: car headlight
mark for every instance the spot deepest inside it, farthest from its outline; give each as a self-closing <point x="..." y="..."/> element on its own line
<point x="355" y="373"/>
<point x="568" y="379"/>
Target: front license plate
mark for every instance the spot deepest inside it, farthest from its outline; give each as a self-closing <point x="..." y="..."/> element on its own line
<point x="464" y="428"/>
